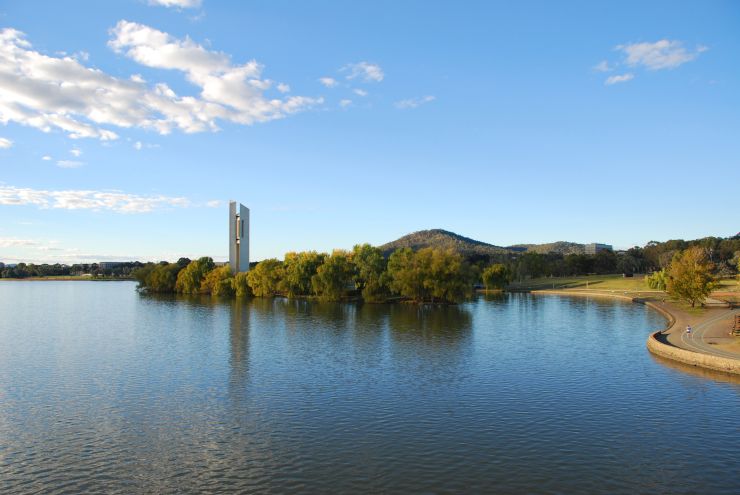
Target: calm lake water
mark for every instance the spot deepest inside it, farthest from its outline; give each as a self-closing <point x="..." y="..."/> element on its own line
<point x="106" y="390"/>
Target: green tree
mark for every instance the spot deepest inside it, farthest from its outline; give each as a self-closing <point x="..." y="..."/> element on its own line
<point x="189" y="279"/>
<point x="299" y="269"/>
<point x="405" y="275"/>
<point x="690" y="276"/>
<point x="578" y="264"/>
<point x="496" y="276"/>
<point x="241" y="284"/>
<point x="627" y="264"/>
<point x="160" y="277"/>
<point x="430" y="275"/>
<point x="450" y="278"/>
<point x="183" y="262"/>
<point x="266" y="279"/>
<point x="658" y="280"/>
<point x="333" y="276"/>
<point x="141" y="275"/>
<point x="218" y="282"/>
<point x="369" y="278"/>
<point x="605" y="261"/>
<point x="531" y="265"/>
<point x="163" y="278"/>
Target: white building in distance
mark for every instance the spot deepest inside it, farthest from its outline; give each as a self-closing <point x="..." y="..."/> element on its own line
<point x="595" y="247"/>
<point x="238" y="237"/>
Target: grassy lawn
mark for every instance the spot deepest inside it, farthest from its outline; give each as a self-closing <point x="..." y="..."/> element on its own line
<point x="728" y="285"/>
<point x="595" y="282"/>
<point x="605" y="282"/>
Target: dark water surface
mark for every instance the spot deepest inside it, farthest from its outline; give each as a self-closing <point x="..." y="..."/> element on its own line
<point x="105" y="390"/>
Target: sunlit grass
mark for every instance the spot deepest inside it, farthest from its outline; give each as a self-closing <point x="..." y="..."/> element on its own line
<point x="606" y="282"/>
<point x="595" y="282"/>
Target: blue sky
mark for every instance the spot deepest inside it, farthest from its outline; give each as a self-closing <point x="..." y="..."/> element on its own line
<point x="126" y="126"/>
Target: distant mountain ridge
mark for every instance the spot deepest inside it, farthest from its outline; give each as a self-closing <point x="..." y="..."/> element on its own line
<point x="444" y="239"/>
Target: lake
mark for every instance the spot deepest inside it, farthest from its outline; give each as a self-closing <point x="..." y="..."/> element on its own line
<point x="103" y="389"/>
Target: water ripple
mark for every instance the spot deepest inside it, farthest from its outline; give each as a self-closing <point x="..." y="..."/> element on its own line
<point x="106" y="391"/>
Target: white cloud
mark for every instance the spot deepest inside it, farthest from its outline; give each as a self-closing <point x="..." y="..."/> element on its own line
<point x="13" y="242"/>
<point x="329" y="82"/>
<point x="76" y="152"/>
<point x="619" y="79"/>
<point x="359" y="92"/>
<point x="46" y="158"/>
<point x="414" y="102"/>
<point x="5" y="143"/>
<point x="663" y="54"/>
<point x="365" y="71"/>
<point x="228" y="92"/>
<point x="48" y="92"/>
<point x="138" y="145"/>
<point x="181" y="4"/>
<point x="602" y="66"/>
<point x="345" y="103"/>
<point x="116" y="201"/>
<point x="69" y="164"/>
<point x="214" y="203"/>
<point x="283" y="88"/>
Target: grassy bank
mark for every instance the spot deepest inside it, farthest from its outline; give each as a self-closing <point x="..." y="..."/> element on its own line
<point x="603" y="282"/>
<point x="595" y="282"/>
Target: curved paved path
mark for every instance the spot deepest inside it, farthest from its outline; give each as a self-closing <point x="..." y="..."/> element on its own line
<point x="712" y="327"/>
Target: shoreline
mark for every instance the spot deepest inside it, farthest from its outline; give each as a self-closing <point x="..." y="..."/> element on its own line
<point x="663" y="343"/>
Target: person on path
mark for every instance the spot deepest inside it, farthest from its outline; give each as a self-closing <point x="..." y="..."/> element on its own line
<point x="688" y="329"/>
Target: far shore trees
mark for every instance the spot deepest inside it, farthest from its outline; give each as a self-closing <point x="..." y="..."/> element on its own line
<point x="370" y="276"/>
<point x="496" y="276"/>
<point x="299" y="270"/>
<point x="429" y="274"/>
<point x="218" y="282"/>
<point x="189" y="279"/>
<point x="241" y="285"/>
<point x="158" y="278"/>
<point x="690" y="276"/>
<point x="333" y="276"/>
<point x="658" y="280"/>
<point x="266" y="278"/>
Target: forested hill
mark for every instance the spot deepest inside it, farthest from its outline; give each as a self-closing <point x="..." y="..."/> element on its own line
<point x="438" y="238"/>
<point x="444" y="239"/>
<point x="560" y="247"/>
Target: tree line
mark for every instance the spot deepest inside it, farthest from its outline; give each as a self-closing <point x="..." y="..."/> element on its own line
<point x="25" y="270"/>
<point x="723" y="253"/>
<point x="690" y="277"/>
<point x="427" y="275"/>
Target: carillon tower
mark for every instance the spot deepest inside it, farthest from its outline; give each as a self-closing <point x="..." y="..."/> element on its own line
<point x="238" y="237"/>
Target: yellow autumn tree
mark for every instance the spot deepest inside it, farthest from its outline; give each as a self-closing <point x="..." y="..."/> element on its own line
<point x="690" y="276"/>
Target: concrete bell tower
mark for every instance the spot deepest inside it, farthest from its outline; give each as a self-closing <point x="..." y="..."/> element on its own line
<point x="238" y="237"/>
